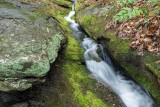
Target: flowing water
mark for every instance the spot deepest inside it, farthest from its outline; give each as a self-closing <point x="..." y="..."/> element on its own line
<point x="101" y="66"/>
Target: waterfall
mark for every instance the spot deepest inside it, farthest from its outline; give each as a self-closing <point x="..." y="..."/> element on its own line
<point x="101" y="66"/>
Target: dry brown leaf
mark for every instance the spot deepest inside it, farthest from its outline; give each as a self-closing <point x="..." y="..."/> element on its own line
<point x="158" y="62"/>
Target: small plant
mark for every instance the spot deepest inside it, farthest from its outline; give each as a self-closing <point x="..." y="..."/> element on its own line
<point x="128" y="13"/>
<point x="131" y="9"/>
<point x="126" y="2"/>
<point x="153" y="1"/>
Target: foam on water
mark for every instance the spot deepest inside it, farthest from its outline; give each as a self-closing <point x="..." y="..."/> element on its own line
<point x="101" y="66"/>
<point x="131" y="93"/>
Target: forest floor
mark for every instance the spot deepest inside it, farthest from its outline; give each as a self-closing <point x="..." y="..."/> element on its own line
<point x="138" y="21"/>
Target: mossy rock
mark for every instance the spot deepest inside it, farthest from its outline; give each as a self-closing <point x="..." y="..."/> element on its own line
<point x="30" y="40"/>
<point x="143" y="69"/>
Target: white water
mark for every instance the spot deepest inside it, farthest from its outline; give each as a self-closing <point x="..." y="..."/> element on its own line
<point x="101" y="66"/>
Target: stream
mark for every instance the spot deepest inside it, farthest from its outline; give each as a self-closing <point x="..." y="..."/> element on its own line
<point x="104" y="70"/>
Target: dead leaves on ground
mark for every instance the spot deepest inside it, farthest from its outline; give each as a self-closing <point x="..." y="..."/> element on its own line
<point x="144" y="33"/>
<point x="143" y="30"/>
<point x="158" y="62"/>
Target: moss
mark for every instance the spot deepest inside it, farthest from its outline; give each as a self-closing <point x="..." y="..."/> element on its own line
<point x="119" y="46"/>
<point x="89" y="22"/>
<point x="86" y="20"/>
<point x="56" y="10"/>
<point x="72" y="50"/>
<point x="35" y="16"/>
<point x="58" y="13"/>
<point x="151" y="63"/>
<point x="80" y="5"/>
<point x="154" y="67"/>
<point x="7" y="4"/>
<point x="78" y="76"/>
<point x="63" y="3"/>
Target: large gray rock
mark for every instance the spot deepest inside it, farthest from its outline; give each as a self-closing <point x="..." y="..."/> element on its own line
<point x="30" y="40"/>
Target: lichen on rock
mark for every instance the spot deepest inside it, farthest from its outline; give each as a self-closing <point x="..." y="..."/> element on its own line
<point x="30" y="39"/>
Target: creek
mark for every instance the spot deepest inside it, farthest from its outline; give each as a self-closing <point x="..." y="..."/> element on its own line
<point x="102" y="67"/>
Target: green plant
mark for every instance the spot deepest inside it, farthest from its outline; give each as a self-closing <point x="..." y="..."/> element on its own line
<point x="130" y="9"/>
<point x="128" y="13"/>
<point x="153" y="0"/>
<point x="126" y="2"/>
<point x="151" y="8"/>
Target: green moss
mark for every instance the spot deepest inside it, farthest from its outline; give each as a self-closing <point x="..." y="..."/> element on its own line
<point x="58" y="13"/>
<point x="151" y="63"/>
<point x="35" y="16"/>
<point x="7" y="4"/>
<point x="154" y="67"/>
<point x="64" y="3"/>
<point x="89" y="22"/>
<point x="57" y="10"/>
<point x="80" y="5"/>
<point x="86" y="20"/>
<point x="78" y="76"/>
<point x="119" y="45"/>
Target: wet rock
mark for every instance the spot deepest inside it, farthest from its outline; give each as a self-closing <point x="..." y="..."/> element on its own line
<point x="29" y="41"/>
<point x="24" y="104"/>
<point x="91" y="55"/>
<point x="8" y="99"/>
<point x="105" y="9"/>
<point x="11" y="13"/>
<point x="24" y="5"/>
<point x="95" y="11"/>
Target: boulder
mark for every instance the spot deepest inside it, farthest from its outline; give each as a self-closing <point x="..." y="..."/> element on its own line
<point x="30" y="39"/>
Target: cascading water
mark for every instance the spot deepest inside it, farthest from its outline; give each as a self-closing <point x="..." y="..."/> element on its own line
<point x="101" y="66"/>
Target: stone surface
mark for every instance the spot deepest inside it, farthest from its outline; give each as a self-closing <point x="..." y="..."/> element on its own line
<point x="30" y="39"/>
<point x="25" y="104"/>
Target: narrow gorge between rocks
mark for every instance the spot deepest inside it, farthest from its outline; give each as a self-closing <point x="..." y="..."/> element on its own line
<point x="59" y="63"/>
<point x="103" y="69"/>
